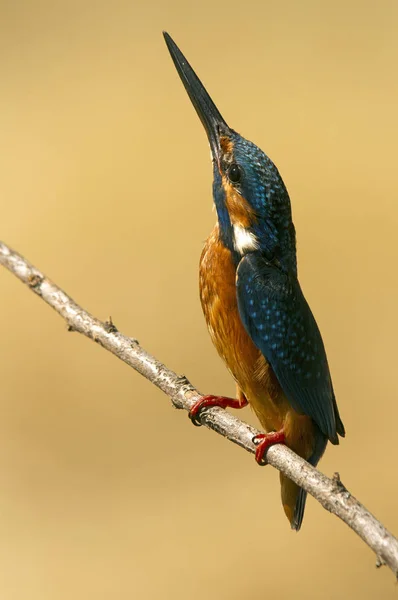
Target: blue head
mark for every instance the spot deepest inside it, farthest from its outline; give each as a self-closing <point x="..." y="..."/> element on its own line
<point x="252" y="202"/>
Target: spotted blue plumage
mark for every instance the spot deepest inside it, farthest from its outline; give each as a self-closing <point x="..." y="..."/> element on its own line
<point x="278" y="319"/>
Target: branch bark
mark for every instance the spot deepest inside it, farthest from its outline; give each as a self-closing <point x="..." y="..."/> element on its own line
<point x="331" y="493"/>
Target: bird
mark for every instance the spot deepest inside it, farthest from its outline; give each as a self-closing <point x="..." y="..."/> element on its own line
<point x="256" y="313"/>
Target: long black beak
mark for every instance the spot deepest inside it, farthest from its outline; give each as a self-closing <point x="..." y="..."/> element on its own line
<point x="204" y="105"/>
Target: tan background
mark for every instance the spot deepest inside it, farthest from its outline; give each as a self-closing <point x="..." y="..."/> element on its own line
<point x="105" y="184"/>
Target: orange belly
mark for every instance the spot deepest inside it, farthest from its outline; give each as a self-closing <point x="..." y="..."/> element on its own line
<point x="250" y="369"/>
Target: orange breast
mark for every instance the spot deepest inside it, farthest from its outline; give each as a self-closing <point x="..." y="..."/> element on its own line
<point x="251" y="371"/>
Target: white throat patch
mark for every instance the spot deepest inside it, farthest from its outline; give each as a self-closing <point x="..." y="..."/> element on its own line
<point x="244" y="240"/>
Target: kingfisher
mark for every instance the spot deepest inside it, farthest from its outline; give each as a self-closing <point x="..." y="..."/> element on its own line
<point x="256" y="313"/>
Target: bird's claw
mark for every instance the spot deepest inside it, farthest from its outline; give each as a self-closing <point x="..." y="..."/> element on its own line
<point x="209" y="401"/>
<point x="263" y="441"/>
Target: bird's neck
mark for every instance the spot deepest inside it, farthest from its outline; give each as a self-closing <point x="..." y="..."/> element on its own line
<point x="275" y="239"/>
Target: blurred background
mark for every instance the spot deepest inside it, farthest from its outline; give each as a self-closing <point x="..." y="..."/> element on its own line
<point x="105" y="185"/>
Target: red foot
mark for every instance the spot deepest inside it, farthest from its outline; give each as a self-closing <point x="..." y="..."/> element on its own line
<point x="214" y="401"/>
<point x="264" y="440"/>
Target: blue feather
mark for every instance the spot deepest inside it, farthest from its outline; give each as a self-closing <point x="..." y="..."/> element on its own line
<point x="278" y="319"/>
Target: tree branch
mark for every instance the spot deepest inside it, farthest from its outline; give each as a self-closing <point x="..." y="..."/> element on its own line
<point x="331" y="493"/>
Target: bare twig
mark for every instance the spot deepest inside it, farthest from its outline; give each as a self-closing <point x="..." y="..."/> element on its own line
<point x="331" y="493"/>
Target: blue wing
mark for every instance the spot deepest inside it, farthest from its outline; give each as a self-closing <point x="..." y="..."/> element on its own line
<point x="278" y="319"/>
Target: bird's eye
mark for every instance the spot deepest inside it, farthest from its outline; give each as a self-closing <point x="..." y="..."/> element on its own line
<point x="234" y="173"/>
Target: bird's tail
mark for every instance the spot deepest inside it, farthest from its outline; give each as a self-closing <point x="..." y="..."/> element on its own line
<point x="293" y="496"/>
